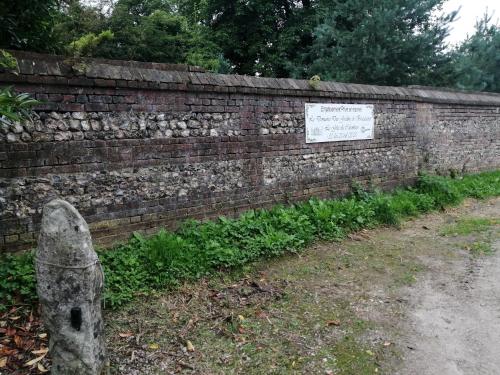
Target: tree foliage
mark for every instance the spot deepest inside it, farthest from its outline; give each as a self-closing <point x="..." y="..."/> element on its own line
<point x="382" y="42"/>
<point x="143" y="30"/>
<point x="28" y="24"/>
<point x="256" y="36"/>
<point x="390" y="42"/>
<point x="88" y="43"/>
<point x="477" y="60"/>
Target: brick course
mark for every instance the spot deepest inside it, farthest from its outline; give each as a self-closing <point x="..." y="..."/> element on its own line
<point x="138" y="146"/>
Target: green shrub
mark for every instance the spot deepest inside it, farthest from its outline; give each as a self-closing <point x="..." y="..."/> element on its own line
<point x="17" y="279"/>
<point x="88" y="43"/>
<point x="15" y="107"/>
<point x="441" y="189"/>
<point x="164" y="260"/>
<point x="385" y="212"/>
<point x="479" y="186"/>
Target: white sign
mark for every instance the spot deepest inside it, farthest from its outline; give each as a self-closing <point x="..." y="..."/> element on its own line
<point x="338" y="122"/>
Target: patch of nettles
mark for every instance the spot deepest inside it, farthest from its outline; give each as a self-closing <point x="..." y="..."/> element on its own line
<point x="198" y="249"/>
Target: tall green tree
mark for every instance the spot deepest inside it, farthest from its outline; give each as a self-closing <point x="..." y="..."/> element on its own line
<point x="394" y="42"/>
<point x="143" y="30"/>
<point x="153" y="30"/>
<point x="75" y="20"/>
<point x="477" y="59"/>
<point x="28" y="24"/>
<point x="256" y="36"/>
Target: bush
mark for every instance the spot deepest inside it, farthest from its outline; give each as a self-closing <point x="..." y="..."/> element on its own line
<point x="17" y="279"/>
<point x="441" y="189"/>
<point x="164" y="260"/>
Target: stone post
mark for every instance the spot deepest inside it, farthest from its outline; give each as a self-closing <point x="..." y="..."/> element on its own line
<point x="69" y="284"/>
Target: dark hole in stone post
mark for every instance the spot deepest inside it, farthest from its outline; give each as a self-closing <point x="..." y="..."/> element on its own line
<point x="76" y="318"/>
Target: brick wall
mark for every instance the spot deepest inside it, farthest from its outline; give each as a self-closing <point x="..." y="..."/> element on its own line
<point x="138" y="146"/>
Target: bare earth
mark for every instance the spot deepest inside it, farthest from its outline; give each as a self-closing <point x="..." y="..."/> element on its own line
<point x="454" y="315"/>
<point x="422" y="299"/>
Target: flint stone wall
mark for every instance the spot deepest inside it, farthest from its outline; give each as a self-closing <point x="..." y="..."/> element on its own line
<point x="137" y="146"/>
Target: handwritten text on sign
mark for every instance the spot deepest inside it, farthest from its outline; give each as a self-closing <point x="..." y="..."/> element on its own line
<point x="338" y="122"/>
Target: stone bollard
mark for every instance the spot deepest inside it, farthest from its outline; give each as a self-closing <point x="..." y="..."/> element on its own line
<point x="69" y="285"/>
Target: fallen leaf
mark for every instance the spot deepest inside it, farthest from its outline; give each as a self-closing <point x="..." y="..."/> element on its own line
<point x="40" y="351"/>
<point x="41" y="368"/>
<point x="154" y="346"/>
<point x="42" y="335"/>
<point x="18" y="341"/>
<point x="6" y="351"/>
<point x="14" y="318"/>
<point x="261" y="314"/>
<point x="189" y="346"/>
<point x="387" y="343"/>
<point x="241" y="330"/>
<point x="125" y="334"/>
<point x="334" y="322"/>
<point x="175" y="317"/>
<point x="33" y="361"/>
<point x="241" y="318"/>
<point x="3" y="362"/>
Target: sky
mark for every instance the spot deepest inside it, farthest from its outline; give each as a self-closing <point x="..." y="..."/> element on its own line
<point x="470" y="11"/>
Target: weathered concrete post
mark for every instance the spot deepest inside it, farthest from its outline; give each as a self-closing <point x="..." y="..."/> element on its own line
<point x="69" y="285"/>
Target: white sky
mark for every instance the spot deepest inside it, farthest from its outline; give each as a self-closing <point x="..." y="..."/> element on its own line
<point x="470" y="11"/>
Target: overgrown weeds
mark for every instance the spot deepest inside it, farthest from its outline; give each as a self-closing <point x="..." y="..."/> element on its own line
<point x="197" y="249"/>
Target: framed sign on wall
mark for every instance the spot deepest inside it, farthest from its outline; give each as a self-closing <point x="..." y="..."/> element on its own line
<point x="338" y="122"/>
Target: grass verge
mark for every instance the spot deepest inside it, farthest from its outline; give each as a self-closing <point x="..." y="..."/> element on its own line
<point x="198" y="249"/>
<point x="468" y="226"/>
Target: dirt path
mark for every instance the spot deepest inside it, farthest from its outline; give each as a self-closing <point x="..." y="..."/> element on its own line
<point x="422" y="299"/>
<point x="454" y="315"/>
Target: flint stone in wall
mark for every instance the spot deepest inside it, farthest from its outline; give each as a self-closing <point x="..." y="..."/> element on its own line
<point x="130" y="125"/>
<point x="69" y="285"/>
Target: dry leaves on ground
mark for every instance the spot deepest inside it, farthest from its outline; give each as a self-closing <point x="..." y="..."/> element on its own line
<point x="23" y="343"/>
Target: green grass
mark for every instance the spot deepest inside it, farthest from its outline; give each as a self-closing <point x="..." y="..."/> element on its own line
<point x="353" y="358"/>
<point x="197" y="249"/>
<point x="479" y="248"/>
<point x="467" y="226"/>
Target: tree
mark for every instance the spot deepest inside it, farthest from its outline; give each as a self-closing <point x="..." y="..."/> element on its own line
<point x="28" y="24"/>
<point x="477" y="59"/>
<point x="143" y="30"/>
<point x="75" y="20"/>
<point x="395" y="42"/>
<point x="256" y="36"/>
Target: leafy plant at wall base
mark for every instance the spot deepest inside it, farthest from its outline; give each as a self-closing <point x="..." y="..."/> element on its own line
<point x="441" y="189"/>
<point x="166" y="259"/>
<point x="17" y="279"/>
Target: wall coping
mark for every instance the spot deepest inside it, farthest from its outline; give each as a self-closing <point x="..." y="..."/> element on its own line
<point x="45" y="69"/>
